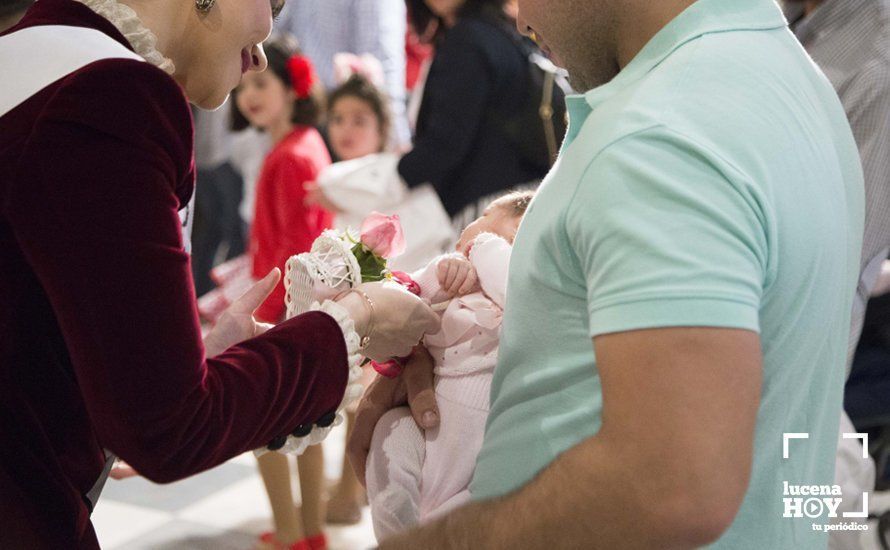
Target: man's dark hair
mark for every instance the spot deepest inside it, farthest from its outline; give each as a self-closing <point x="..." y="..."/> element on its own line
<point x="308" y="111"/>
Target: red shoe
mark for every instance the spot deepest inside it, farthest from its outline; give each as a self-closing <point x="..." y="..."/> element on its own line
<point x="269" y="539"/>
<point x="318" y="542"/>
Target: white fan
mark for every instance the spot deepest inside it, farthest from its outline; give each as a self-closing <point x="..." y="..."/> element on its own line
<point x="326" y="270"/>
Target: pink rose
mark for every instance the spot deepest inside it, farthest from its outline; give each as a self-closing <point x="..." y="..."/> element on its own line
<point x="383" y="235"/>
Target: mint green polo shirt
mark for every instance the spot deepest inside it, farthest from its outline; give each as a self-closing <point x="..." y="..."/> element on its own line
<point x="713" y="182"/>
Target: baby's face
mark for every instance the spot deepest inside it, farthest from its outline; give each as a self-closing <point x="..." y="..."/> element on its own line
<point x="498" y="218"/>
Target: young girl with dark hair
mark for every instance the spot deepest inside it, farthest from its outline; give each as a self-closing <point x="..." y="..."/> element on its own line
<point x="283" y="102"/>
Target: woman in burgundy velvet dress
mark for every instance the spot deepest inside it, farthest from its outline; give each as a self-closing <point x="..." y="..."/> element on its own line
<point x="100" y="345"/>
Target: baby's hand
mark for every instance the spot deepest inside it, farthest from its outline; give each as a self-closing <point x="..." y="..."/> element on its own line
<point x="457" y="276"/>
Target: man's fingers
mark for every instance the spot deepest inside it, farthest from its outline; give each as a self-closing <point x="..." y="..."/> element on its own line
<point x="421" y="396"/>
<point x="257" y="294"/>
<point x="382" y="395"/>
<point x="359" y="443"/>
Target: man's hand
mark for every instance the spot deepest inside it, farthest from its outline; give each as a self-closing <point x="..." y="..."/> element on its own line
<point x="237" y="324"/>
<point x="414" y="387"/>
<point x="457" y="276"/>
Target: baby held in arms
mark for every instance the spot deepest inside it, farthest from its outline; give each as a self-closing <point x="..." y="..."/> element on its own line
<point x="414" y="476"/>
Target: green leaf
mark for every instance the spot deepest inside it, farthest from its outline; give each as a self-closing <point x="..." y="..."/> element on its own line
<point x="372" y="267"/>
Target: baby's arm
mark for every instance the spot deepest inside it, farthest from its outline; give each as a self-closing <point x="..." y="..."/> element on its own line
<point x="490" y="256"/>
<point x="428" y="280"/>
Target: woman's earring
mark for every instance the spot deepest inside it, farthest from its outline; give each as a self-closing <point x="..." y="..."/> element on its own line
<point x="204" y="5"/>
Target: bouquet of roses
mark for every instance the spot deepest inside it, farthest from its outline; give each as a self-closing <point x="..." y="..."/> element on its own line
<point x="339" y="261"/>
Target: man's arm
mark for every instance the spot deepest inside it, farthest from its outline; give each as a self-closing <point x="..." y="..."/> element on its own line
<point x="668" y="469"/>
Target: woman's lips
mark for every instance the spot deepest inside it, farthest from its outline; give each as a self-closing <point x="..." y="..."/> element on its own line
<point x="245" y="61"/>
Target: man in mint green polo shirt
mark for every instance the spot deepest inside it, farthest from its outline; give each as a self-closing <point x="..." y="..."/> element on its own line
<point x="703" y="227"/>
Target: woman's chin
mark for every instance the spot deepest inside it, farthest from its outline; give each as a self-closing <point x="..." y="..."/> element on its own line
<point x="211" y="102"/>
<point x="213" y="98"/>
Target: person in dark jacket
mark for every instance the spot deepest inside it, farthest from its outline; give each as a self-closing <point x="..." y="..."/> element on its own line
<point x="479" y="78"/>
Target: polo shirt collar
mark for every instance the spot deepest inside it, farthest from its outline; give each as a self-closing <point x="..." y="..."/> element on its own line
<point x="701" y="18"/>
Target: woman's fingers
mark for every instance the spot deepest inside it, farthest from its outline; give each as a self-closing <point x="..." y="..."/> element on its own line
<point x="400" y="320"/>
<point x="262" y="328"/>
<point x="122" y="470"/>
<point x="257" y="294"/>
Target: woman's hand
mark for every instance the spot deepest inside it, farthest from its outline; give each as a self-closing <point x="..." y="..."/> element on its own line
<point x="122" y="470"/>
<point x="316" y="197"/>
<point x="237" y="324"/>
<point x="397" y="323"/>
<point x="414" y="387"/>
<point x="457" y="276"/>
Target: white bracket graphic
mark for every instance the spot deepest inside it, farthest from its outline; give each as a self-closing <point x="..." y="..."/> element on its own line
<point x="786" y="437"/>
<point x="864" y="438"/>
<point x="864" y="512"/>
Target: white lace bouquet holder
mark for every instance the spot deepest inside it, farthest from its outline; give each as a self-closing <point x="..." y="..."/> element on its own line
<point x="312" y="280"/>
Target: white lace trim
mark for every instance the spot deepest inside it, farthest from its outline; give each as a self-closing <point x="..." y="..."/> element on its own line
<point x="143" y="41"/>
<point x="296" y="445"/>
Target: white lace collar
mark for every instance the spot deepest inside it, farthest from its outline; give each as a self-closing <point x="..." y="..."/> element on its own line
<point x="143" y="41"/>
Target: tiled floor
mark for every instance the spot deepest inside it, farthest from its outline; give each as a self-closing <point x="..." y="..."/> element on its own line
<point x="223" y="509"/>
<point x="226" y="509"/>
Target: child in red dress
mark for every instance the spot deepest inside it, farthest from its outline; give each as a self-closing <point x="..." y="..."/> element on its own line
<point x="282" y="101"/>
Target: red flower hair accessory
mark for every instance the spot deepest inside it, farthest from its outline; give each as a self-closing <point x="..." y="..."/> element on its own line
<point x="302" y="75"/>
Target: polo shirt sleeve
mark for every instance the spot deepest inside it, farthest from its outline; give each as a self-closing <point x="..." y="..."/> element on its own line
<point x="667" y="234"/>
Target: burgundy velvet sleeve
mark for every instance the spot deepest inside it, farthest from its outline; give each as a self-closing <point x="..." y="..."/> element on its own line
<point x="97" y="219"/>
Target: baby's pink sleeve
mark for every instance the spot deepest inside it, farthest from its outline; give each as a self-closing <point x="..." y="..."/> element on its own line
<point x="428" y="280"/>
<point x="490" y="256"/>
